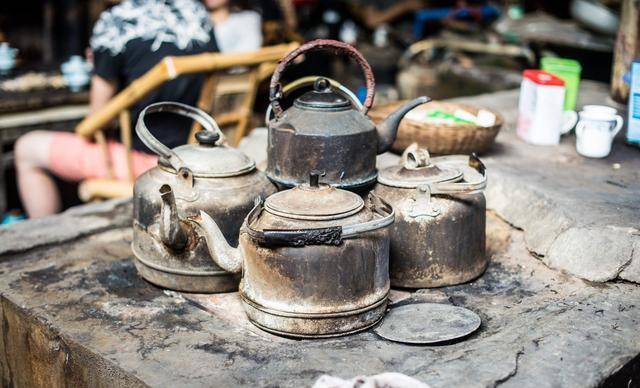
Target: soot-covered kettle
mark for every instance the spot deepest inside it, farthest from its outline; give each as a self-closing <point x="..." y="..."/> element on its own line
<point x="438" y="237"/>
<point x="325" y="130"/>
<point x="314" y="260"/>
<point x="207" y="177"/>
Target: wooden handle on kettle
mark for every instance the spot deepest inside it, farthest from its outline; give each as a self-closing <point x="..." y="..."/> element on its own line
<point x="275" y="91"/>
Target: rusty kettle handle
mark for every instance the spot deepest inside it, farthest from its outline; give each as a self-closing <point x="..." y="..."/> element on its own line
<point x="275" y="91"/>
<point x="207" y="122"/>
<point x="333" y="235"/>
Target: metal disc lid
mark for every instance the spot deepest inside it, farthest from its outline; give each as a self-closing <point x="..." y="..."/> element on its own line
<point x="314" y="201"/>
<point x="428" y="323"/>
<point x="417" y="170"/>
<point x="210" y="159"/>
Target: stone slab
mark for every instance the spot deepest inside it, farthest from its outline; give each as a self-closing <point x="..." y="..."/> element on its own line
<point x="579" y="215"/>
<point x="77" y="314"/>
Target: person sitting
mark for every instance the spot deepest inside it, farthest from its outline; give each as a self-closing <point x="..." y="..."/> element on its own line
<point x="127" y="41"/>
<point x="237" y="28"/>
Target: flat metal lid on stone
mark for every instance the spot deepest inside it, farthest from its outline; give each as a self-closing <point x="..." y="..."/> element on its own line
<point x="428" y="323"/>
<point x="322" y="97"/>
<point x="314" y="201"/>
<point x="210" y="159"/>
<point x="418" y="170"/>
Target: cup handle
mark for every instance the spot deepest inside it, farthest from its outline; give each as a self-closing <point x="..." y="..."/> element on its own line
<point x="579" y="128"/>
<point x="618" y="127"/>
<point x="569" y="120"/>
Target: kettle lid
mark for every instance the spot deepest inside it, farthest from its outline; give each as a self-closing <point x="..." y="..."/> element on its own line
<point x="211" y="159"/>
<point x="418" y="169"/>
<point x="314" y="201"/>
<point x="323" y="96"/>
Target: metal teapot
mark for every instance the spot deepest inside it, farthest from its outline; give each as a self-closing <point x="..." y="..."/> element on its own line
<point x="325" y="130"/>
<point x="209" y="177"/>
<point x="314" y="260"/>
<point x="438" y="237"/>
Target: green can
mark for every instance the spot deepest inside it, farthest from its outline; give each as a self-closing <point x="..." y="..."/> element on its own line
<point x="569" y="70"/>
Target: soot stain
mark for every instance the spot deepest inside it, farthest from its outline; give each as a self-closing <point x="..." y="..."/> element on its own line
<point x="46" y="276"/>
<point x="121" y="279"/>
<point x="231" y="352"/>
<point x="177" y="316"/>
<point x="496" y="280"/>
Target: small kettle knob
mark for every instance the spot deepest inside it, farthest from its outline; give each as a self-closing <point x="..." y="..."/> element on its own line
<point x="322" y="85"/>
<point x="207" y="138"/>
<point x="314" y="177"/>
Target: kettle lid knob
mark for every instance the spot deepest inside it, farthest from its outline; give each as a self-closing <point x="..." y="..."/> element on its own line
<point x="207" y="138"/>
<point x="314" y="177"/>
<point x="322" y="85"/>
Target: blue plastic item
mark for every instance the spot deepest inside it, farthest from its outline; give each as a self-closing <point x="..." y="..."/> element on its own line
<point x="633" y="120"/>
<point x="12" y="217"/>
<point x="429" y="15"/>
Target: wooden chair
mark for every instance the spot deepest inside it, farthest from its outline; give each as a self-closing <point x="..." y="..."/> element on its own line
<point x="260" y="63"/>
<point x="244" y="85"/>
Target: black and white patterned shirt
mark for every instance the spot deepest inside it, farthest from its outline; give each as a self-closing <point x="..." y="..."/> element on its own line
<point x="132" y="37"/>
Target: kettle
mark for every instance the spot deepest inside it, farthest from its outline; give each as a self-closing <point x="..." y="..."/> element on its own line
<point x="314" y="260"/>
<point x="438" y="237"/>
<point x="325" y="130"/>
<point x="207" y="177"/>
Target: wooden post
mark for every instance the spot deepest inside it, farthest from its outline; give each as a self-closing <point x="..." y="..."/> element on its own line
<point x="125" y="135"/>
<point x="104" y="146"/>
<point x="627" y="48"/>
<point x="205" y="103"/>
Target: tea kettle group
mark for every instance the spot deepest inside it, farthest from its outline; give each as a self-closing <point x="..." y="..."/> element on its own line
<point x="318" y="257"/>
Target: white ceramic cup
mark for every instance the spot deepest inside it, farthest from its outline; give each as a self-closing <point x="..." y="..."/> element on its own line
<point x="596" y="129"/>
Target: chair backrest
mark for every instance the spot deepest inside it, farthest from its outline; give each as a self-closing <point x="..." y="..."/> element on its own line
<point x="260" y="64"/>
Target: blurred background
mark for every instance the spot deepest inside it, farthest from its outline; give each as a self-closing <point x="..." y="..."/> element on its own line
<point x="441" y="48"/>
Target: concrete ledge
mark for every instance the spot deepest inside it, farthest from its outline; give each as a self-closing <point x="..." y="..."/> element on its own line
<point x="74" y="223"/>
<point x="578" y="215"/>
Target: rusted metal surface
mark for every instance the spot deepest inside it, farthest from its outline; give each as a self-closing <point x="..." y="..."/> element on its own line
<point x="438" y="237"/>
<point x="343" y="143"/>
<point x="433" y="250"/>
<point x="207" y="177"/>
<point x="428" y="323"/>
<point x="323" y="131"/>
<point x="310" y="268"/>
<point x="227" y="200"/>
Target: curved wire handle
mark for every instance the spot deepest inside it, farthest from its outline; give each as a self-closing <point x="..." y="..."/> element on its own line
<point x="275" y="88"/>
<point x="206" y="121"/>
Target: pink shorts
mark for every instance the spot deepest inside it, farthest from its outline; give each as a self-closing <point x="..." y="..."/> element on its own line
<point x="73" y="158"/>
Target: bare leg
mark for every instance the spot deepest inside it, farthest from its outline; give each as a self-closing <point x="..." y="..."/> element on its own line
<point x="38" y="190"/>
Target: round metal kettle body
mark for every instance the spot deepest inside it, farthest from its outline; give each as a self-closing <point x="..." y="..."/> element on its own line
<point x="343" y="143"/>
<point x="226" y="200"/>
<point x="438" y="237"/>
<point x="168" y="251"/>
<point x="314" y="261"/>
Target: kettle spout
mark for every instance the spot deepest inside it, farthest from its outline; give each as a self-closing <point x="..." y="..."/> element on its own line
<point x="172" y="232"/>
<point x="223" y="254"/>
<point x="388" y="129"/>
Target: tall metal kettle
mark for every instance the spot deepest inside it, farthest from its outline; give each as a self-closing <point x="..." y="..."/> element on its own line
<point x="327" y="131"/>
<point x="438" y="238"/>
<point x="208" y="177"/>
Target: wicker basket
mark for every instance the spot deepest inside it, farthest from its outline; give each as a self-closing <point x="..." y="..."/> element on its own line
<point x="441" y="139"/>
